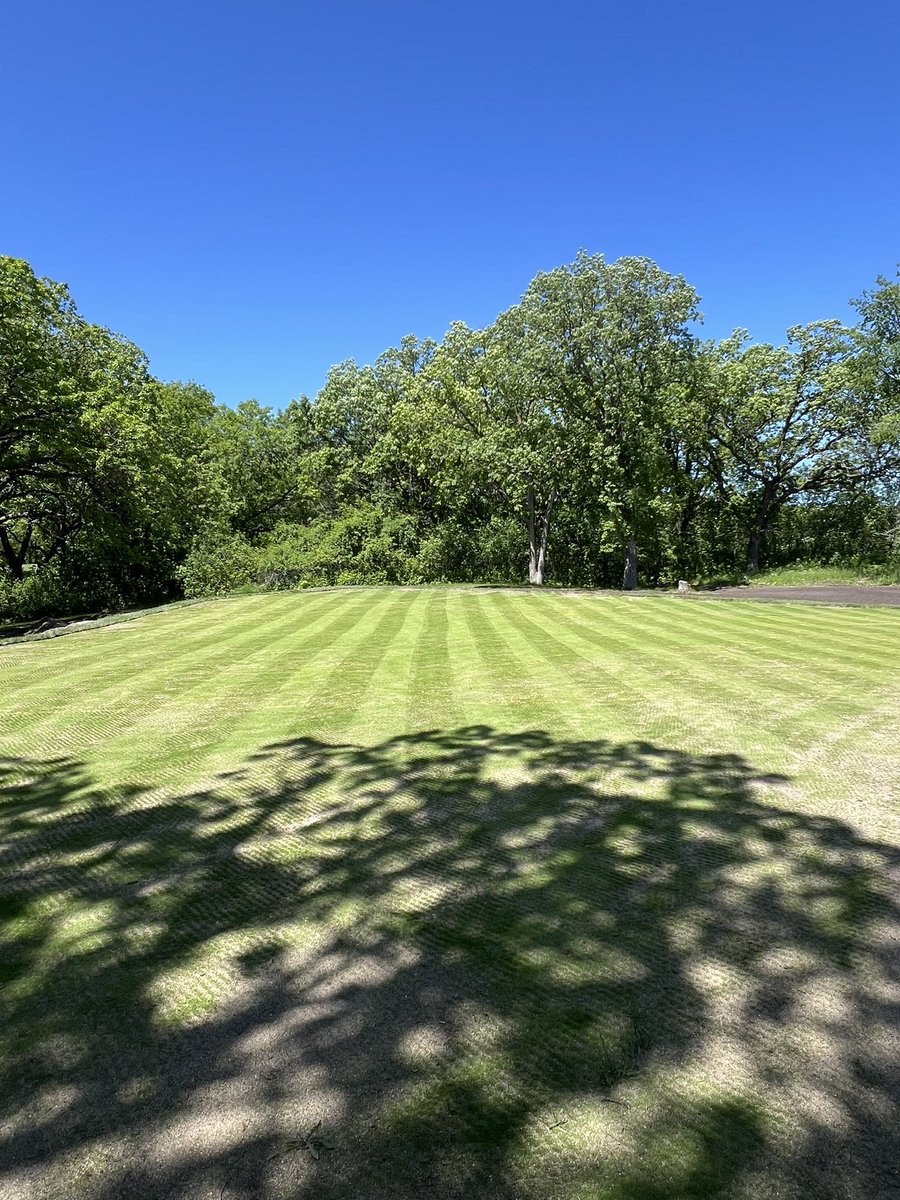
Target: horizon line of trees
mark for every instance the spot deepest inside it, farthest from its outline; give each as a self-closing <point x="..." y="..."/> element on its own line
<point x="588" y="436"/>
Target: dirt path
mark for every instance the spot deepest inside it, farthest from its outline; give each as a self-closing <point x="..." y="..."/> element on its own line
<point x="824" y="594"/>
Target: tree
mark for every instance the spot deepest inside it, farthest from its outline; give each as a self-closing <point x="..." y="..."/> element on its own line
<point x="358" y="455"/>
<point x="879" y="312"/>
<point x="71" y="416"/>
<point x="259" y="456"/>
<point x="615" y="354"/>
<point x="585" y="424"/>
<point x="104" y="471"/>
<point x="481" y="424"/>
<point x="879" y="333"/>
<point x="792" y="422"/>
<point x="879" y="363"/>
<point x="37" y="402"/>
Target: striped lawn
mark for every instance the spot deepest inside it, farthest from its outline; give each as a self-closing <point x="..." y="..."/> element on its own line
<point x="452" y="892"/>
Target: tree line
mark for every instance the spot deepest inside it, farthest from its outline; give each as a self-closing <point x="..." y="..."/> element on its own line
<point x="589" y="436"/>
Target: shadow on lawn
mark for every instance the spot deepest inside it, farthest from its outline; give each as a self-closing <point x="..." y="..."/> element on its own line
<point x="487" y="962"/>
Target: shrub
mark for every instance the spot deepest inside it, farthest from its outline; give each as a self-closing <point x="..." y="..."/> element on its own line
<point x="362" y="546"/>
<point x="35" y="596"/>
<point x="218" y="564"/>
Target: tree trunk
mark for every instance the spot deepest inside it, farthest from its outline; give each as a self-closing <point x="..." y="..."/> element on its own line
<point x="760" y="525"/>
<point x="753" y="551"/>
<point x="538" y="536"/>
<point x="629" y="576"/>
<point x="15" y="560"/>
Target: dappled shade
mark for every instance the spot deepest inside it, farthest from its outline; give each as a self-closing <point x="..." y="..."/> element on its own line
<point x="479" y="963"/>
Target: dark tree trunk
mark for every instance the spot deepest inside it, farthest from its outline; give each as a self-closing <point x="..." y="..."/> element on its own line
<point x="15" y="559"/>
<point x="764" y="515"/>
<point x="685" y="525"/>
<point x="538" y="536"/>
<point x="629" y="576"/>
<point x="753" y="551"/>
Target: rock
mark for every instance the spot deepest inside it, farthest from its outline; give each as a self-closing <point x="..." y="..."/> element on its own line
<point x="683" y="585"/>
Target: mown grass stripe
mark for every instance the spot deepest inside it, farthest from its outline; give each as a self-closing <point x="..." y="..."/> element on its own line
<point x="430" y="700"/>
<point x="163" y="755"/>
<point x="794" y="696"/>
<point x="517" y="893"/>
<point x="695" y="675"/>
<point x="636" y="674"/>
<point x="272" y="693"/>
<point x="166" y="688"/>
<point x="593" y="699"/>
<point x="857" y="641"/>
<point x="128" y="670"/>
<point x="334" y="704"/>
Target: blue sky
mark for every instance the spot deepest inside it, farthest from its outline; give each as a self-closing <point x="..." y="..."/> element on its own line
<point x="252" y="191"/>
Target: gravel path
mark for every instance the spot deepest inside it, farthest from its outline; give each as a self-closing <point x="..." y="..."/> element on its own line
<point x="825" y="594"/>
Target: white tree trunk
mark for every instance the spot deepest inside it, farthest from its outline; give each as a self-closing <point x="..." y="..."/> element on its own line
<point x="538" y="536"/>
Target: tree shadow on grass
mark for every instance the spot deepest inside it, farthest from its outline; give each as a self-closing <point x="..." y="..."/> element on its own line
<point x="483" y="964"/>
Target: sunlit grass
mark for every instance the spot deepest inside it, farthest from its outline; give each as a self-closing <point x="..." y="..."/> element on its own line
<point x="815" y="574"/>
<point x="519" y="894"/>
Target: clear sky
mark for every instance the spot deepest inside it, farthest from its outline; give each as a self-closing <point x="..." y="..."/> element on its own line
<point x="253" y="190"/>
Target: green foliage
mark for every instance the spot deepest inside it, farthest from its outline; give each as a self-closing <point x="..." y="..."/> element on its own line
<point x="585" y="427"/>
<point x="218" y="564"/>
<point x="489" y="553"/>
<point x="879" y="333"/>
<point x="256" y="454"/>
<point x="809" y="574"/>
<point x="37" y="595"/>
<point x="362" y="545"/>
<point x="104" y="471"/>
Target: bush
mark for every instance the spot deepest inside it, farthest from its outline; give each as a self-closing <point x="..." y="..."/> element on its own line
<point x="217" y="565"/>
<point x="362" y="546"/>
<point x="457" y="553"/>
<point x="39" y="594"/>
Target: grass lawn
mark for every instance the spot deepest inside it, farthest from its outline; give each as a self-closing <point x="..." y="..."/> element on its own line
<point x="812" y="574"/>
<point x="449" y="893"/>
